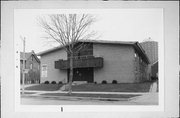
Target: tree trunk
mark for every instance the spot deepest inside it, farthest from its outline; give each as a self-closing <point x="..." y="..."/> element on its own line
<point x="71" y="73"/>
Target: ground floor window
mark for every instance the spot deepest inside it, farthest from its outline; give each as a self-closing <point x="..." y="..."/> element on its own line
<point x="44" y="70"/>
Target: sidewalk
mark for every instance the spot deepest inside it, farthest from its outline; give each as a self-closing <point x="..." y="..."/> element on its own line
<point x="146" y="98"/>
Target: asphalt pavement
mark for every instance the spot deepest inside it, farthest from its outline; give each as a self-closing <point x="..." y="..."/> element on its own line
<point x="57" y="101"/>
<point x="37" y="97"/>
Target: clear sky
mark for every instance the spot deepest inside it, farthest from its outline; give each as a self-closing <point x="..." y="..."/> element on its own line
<point x="111" y="24"/>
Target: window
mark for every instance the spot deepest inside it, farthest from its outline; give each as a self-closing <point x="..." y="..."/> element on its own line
<point x="25" y="63"/>
<point x="135" y="55"/>
<point x="44" y="71"/>
<point x="31" y="66"/>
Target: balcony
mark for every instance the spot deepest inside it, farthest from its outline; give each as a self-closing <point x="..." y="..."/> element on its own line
<point x="80" y="62"/>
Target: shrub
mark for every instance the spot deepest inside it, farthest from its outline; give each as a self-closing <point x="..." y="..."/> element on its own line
<point x="114" y="82"/>
<point x="104" y="82"/>
<point x="46" y="82"/>
<point x="60" y="82"/>
<point x="53" y="82"/>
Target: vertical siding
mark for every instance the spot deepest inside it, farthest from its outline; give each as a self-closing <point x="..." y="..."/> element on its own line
<point x="52" y="73"/>
<point x="118" y="63"/>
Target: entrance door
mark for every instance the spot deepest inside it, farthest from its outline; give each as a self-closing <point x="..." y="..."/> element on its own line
<point x="82" y="74"/>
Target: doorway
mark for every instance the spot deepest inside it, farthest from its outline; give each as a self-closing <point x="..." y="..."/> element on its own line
<point x="82" y="74"/>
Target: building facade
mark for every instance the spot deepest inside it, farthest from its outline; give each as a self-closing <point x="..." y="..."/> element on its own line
<point x="154" y="70"/>
<point x="32" y="65"/>
<point x="124" y="62"/>
<point x="151" y="50"/>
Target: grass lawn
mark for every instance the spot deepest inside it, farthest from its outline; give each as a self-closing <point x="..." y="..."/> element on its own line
<point x="120" y="87"/>
<point x="45" y="87"/>
<point x="90" y="95"/>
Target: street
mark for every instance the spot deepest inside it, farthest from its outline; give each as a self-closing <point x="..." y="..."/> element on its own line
<point x="57" y="101"/>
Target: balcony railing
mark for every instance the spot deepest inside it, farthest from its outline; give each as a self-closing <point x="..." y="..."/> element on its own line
<point x="80" y="62"/>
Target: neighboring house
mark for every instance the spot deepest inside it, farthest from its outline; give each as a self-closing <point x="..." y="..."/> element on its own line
<point x="32" y="64"/>
<point x="151" y="50"/>
<point x="125" y="62"/>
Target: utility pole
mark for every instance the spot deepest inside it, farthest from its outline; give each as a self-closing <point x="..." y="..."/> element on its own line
<point x="23" y="70"/>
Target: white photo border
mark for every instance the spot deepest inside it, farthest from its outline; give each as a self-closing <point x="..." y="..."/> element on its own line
<point x="10" y="104"/>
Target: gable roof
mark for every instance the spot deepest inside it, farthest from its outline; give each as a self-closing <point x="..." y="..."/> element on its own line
<point x="135" y="44"/>
<point x="28" y="55"/>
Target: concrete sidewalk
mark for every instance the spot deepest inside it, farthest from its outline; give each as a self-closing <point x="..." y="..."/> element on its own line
<point x="151" y="98"/>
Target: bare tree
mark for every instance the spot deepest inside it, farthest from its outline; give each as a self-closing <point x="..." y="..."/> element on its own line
<point x="68" y="30"/>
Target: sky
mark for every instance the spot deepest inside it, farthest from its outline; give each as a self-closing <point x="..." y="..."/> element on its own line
<point x="111" y="24"/>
